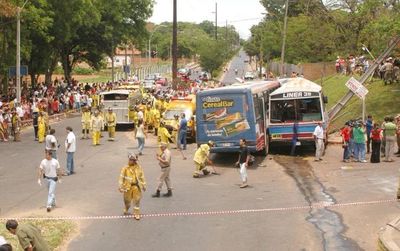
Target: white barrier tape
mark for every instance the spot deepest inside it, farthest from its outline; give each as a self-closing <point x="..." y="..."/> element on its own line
<point x="241" y="211"/>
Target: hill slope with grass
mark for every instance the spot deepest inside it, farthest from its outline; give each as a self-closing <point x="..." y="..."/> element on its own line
<point x="382" y="100"/>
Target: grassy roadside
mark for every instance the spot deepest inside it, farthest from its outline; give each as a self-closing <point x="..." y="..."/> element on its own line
<point x="55" y="232"/>
<point x="382" y="100"/>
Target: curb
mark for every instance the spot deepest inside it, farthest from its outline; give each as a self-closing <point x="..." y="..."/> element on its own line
<point x="389" y="236"/>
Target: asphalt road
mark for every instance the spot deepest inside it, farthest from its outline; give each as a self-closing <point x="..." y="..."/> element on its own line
<point x="239" y="62"/>
<point x="279" y="184"/>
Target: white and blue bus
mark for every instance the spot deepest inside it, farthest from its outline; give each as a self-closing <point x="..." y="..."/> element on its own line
<point x="295" y="109"/>
<point x="227" y="114"/>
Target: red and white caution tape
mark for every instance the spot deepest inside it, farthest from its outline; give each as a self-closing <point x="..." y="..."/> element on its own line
<point x="205" y="213"/>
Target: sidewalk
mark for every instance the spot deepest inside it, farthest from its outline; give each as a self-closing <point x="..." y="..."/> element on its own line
<point x="389" y="236"/>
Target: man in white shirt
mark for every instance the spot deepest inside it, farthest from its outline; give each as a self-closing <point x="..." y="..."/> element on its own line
<point x="70" y="148"/>
<point x="51" y="143"/>
<point x="49" y="169"/>
<point x="319" y="141"/>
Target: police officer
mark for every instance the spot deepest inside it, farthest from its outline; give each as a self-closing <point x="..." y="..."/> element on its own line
<point x="85" y="120"/>
<point x="131" y="184"/>
<point x="202" y="158"/>
<point x="111" y="120"/>
<point x="164" y="158"/>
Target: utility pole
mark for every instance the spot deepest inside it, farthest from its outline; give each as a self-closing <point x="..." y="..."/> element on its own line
<point x="18" y="56"/>
<point x="112" y="60"/>
<point x="216" y="21"/>
<point x="174" y="47"/>
<point x="126" y="62"/>
<point x="284" y="38"/>
<point x="18" y="63"/>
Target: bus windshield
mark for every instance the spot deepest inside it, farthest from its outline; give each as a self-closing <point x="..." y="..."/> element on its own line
<point x="169" y="114"/>
<point x="115" y="96"/>
<point x="300" y="110"/>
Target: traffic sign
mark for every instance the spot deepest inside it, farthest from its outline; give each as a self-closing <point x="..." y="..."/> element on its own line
<point x="356" y="87"/>
<point x="12" y="70"/>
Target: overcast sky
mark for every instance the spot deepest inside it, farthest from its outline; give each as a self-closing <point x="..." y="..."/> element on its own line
<point x="240" y="13"/>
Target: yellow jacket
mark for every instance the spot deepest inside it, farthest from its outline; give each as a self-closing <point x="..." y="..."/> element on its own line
<point x="148" y="116"/>
<point x="163" y="135"/>
<point x="96" y="123"/>
<point x="201" y="154"/>
<point x="156" y="118"/>
<point x="132" y="176"/>
<point x="85" y="117"/>
<point x="111" y="119"/>
<point x="41" y="121"/>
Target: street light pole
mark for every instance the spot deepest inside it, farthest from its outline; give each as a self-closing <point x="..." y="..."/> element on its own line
<point x="18" y="57"/>
<point x="174" y="47"/>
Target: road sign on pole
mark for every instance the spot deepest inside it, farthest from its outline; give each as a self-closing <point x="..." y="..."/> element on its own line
<point x="359" y="90"/>
<point x="357" y="87"/>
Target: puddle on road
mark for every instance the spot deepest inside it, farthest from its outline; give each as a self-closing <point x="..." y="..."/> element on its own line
<point x="329" y="223"/>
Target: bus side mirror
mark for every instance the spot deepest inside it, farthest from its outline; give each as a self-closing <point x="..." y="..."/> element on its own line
<point x="325" y="98"/>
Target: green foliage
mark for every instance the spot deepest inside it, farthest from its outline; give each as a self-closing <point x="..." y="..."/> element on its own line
<point x="321" y="30"/>
<point x="380" y="102"/>
<point x="82" y="71"/>
<point x="53" y="231"/>
<point x="70" y="31"/>
<point x="213" y="54"/>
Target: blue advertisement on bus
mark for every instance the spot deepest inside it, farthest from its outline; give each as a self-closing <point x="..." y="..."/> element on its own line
<point x="225" y="119"/>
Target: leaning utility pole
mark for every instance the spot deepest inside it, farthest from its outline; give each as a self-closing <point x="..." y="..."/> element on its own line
<point x="284" y="38"/>
<point x="174" y="48"/>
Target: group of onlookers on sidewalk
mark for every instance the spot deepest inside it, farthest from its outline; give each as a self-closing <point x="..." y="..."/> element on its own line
<point x="360" y="138"/>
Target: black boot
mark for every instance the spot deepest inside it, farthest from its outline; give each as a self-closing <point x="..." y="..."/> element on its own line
<point x="156" y="195"/>
<point x="168" y="194"/>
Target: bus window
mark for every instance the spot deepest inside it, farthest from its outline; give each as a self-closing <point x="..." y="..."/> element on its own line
<point x="310" y="109"/>
<point x="295" y="110"/>
<point x="258" y="107"/>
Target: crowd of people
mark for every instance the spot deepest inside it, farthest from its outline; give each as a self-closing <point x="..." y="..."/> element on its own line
<point x="388" y="70"/>
<point x="370" y="137"/>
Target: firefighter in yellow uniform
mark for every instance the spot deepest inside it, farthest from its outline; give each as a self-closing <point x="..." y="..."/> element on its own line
<point x="148" y="118"/>
<point x="111" y="120"/>
<point x="156" y="119"/>
<point x="131" y="184"/>
<point x="133" y="116"/>
<point x="85" y="120"/>
<point x="163" y="135"/>
<point x="96" y="125"/>
<point x="46" y="123"/>
<point x="201" y="159"/>
<point x="95" y="99"/>
<point x="41" y="127"/>
<point x="15" y="125"/>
